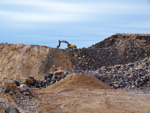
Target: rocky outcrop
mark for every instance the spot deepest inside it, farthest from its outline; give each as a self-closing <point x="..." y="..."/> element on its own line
<point x="117" y="49"/>
<point x="18" y="61"/>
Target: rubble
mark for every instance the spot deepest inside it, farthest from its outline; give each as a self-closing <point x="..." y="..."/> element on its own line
<point x="7" y="105"/>
<point x="117" y="49"/>
<point x="129" y="76"/>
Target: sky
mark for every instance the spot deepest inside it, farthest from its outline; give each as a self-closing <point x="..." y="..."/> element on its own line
<point x="80" y="22"/>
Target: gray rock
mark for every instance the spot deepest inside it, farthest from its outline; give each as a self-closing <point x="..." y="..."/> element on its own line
<point x="7" y="107"/>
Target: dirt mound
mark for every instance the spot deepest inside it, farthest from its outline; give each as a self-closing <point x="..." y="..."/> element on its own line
<point x="81" y="81"/>
<point x="117" y="49"/>
<point x="17" y="61"/>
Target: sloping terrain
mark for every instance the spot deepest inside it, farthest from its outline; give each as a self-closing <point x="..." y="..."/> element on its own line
<point x="117" y="49"/>
<point x="65" y="92"/>
<point x="78" y="93"/>
<point x="18" y="61"/>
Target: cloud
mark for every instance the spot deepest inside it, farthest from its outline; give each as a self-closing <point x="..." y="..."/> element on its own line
<point x="54" y="11"/>
<point x="60" y="11"/>
<point x="45" y="11"/>
<point x="51" y="5"/>
<point x="39" y="17"/>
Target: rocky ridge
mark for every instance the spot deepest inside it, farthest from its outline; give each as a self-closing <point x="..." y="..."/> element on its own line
<point x="117" y="49"/>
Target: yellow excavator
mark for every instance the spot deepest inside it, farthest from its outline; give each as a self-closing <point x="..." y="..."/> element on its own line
<point x="68" y="44"/>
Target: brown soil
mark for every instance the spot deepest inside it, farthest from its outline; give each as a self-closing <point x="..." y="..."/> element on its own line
<point x="97" y="101"/>
<point x="18" y="61"/>
<point x="71" y="96"/>
<point x="80" y="81"/>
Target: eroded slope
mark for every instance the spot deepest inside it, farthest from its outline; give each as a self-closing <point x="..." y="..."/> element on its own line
<point x="17" y="61"/>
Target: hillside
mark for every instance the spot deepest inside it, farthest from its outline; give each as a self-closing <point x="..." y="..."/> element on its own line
<point x="18" y="61"/>
<point x="117" y="49"/>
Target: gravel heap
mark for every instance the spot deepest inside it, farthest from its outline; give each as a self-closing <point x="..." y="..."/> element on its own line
<point x="117" y="49"/>
<point x="130" y="76"/>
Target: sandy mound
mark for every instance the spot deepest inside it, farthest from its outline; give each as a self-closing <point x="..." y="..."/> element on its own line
<point x="80" y="81"/>
<point x="17" y="61"/>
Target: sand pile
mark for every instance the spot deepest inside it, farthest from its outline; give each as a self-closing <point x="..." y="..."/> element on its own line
<point x="80" y="81"/>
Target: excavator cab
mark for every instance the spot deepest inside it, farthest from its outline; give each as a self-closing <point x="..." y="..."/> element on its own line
<point x="68" y="44"/>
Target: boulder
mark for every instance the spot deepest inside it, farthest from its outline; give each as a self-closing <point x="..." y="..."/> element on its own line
<point x="48" y="76"/>
<point x="17" y="82"/>
<point x="59" y="74"/>
<point x="30" y="81"/>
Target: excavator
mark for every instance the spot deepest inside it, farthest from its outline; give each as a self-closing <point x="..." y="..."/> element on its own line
<point x="68" y="44"/>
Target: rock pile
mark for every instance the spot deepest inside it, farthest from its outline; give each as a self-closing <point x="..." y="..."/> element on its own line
<point x="130" y="76"/>
<point x="117" y="49"/>
<point x="31" y="82"/>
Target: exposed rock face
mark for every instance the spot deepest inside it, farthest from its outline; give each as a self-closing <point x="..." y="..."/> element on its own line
<point x="17" y="61"/>
<point x="117" y="49"/>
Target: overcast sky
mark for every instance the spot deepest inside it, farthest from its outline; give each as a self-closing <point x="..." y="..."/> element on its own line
<point x="80" y="22"/>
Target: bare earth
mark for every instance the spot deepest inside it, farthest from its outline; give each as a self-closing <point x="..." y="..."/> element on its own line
<point x="88" y="100"/>
<point x="97" y="101"/>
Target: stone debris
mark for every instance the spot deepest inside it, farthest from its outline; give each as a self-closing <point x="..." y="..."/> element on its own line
<point x="7" y="107"/>
<point x="30" y="81"/>
<point x="117" y="49"/>
<point x="129" y="76"/>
